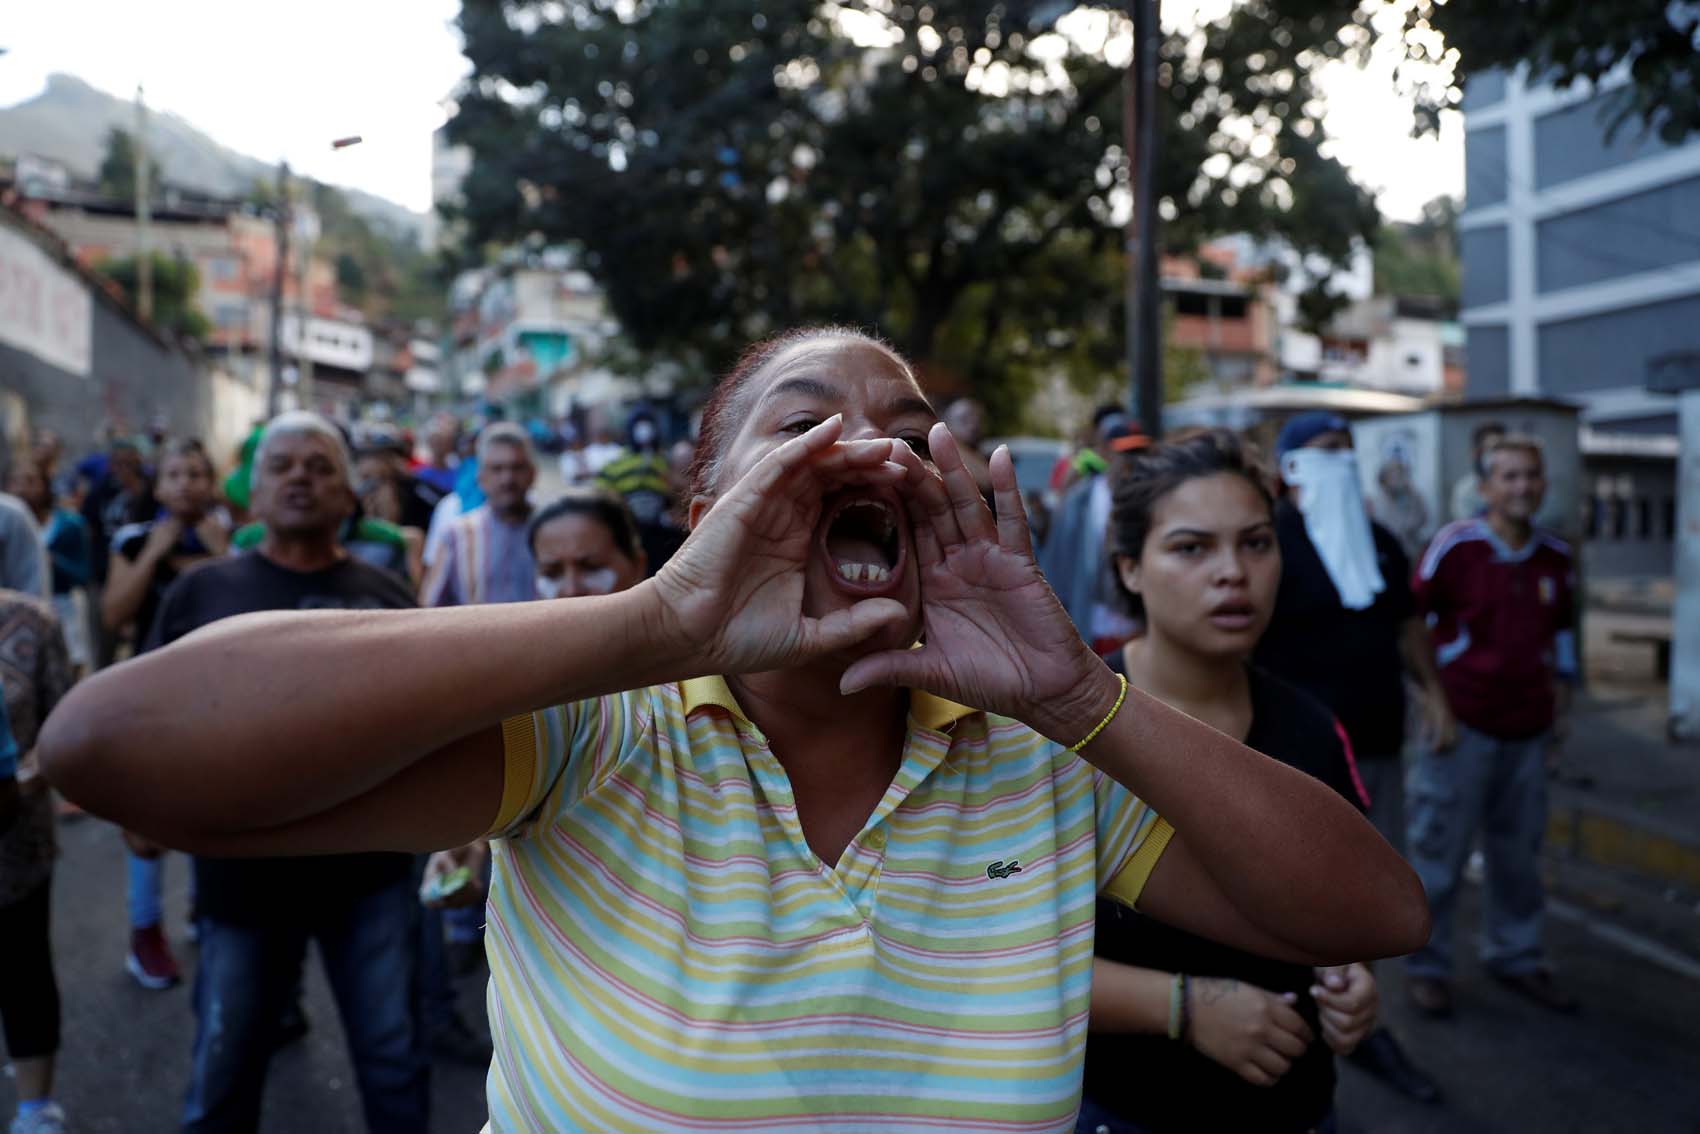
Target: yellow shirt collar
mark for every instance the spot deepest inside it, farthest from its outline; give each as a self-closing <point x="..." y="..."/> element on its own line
<point x="930" y="712"/>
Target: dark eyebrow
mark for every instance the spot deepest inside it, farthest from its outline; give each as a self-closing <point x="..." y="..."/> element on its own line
<point x="1199" y="533"/>
<point x="814" y="388"/>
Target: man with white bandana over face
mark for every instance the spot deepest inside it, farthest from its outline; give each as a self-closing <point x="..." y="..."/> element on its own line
<point x="1345" y="631"/>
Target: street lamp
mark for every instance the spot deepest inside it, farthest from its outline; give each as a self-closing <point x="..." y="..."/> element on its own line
<point x="308" y="232"/>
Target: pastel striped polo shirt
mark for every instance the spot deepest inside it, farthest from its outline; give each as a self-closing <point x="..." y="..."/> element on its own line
<point x="667" y="953"/>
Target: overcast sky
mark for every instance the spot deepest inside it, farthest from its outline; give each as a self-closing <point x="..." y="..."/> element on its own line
<point x="284" y="80"/>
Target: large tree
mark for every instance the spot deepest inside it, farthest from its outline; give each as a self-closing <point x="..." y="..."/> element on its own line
<point x="176" y="288"/>
<point x="947" y="171"/>
<point x="117" y="173"/>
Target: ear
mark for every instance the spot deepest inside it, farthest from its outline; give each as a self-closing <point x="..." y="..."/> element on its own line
<point x="698" y="509"/>
<point x="1127" y="569"/>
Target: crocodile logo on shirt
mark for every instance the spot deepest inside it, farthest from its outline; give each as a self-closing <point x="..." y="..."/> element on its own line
<point x="1001" y="869"/>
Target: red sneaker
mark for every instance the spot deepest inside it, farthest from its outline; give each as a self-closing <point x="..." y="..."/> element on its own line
<point x="150" y="960"/>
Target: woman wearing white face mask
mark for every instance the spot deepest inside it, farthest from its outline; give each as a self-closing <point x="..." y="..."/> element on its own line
<point x="586" y="543"/>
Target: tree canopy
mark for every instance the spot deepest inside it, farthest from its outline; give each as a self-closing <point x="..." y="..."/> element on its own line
<point x="948" y="172"/>
<point x="176" y="288"/>
<point x="1561" y="42"/>
<point x="117" y="173"/>
<point x="1419" y="259"/>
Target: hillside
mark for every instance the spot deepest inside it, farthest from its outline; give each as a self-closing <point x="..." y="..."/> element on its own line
<point x="69" y="121"/>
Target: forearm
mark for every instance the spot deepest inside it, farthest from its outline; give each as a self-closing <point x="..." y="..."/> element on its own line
<point x="125" y="589"/>
<point x="266" y="720"/>
<point x="1129" y="999"/>
<point x="1292" y="858"/>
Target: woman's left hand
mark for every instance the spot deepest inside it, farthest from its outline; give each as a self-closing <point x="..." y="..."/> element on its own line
<point x="214" y="536"/>
<point x="996" y="638"/>
<point x="1346" y="1001"/>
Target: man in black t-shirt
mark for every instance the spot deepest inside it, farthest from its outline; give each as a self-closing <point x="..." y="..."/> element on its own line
<point x="256" y="915"/>
<point x="1351" y="658"/>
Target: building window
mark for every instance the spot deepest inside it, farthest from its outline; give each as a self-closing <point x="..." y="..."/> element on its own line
<point x="1670" y="519"/>
<point x="1644" y="517"/>
<point x="1204" y="306"/>
<point x="1591" y="517"/>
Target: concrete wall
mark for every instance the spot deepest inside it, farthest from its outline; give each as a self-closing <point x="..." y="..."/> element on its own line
<point x="132" y="376"/>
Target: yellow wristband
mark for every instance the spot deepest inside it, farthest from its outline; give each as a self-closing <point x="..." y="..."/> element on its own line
<point x="1108" y="717"/>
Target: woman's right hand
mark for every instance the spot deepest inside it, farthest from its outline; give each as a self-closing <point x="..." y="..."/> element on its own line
<point x="1254" y="1033"/>
<point x="732" y="596"/>
<point x="162" y="538"/>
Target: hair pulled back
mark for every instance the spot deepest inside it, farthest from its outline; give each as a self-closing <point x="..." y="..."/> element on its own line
<point x="720" y="420"/>
<point x="1148" y="475"/>
<point x="600" y="504"/>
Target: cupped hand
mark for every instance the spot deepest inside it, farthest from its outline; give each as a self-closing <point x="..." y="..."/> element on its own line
<point x="162" y="537"/>
<point x="732" y="596"/>
<point x="1252" y="1032"/>
<point x="1346" y="1001"/>
<point x="995" y="636"/>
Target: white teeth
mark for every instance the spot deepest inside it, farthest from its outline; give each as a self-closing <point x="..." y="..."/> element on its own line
<point x="870" y="572"/>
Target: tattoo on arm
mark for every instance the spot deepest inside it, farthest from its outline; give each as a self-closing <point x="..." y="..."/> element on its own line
<point x="1214" y="989"/>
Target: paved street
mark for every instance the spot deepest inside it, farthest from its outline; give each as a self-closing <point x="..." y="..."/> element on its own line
<point x="126" y="1051"/>
<point x="1630" y="1062"/>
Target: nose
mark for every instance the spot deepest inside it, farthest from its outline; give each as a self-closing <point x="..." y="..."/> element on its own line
<point x="1230" y="568"/>
<point x="859" y="428"/>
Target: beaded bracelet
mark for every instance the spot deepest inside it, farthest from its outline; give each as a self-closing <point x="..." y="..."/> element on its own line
<point x="1108" y="717"/>
<point x="1186" y="1007"/>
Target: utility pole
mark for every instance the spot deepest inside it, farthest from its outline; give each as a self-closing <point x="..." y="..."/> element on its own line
<point x="283" y="217"/>
<point x="144" y="214"/>
<point x="1142" y="145"/>
<point x="280" y="219"/>
<point x="306" y="234"/>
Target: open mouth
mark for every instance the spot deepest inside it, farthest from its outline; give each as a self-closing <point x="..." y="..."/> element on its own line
<point x="1233" y="615"/>
<point x="859" y="537"/>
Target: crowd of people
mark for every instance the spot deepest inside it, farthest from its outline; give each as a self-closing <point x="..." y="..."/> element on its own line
<point x="854" y="805"/>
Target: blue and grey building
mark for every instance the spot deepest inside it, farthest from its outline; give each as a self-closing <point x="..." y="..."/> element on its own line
<point x="1581" y="250"/>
